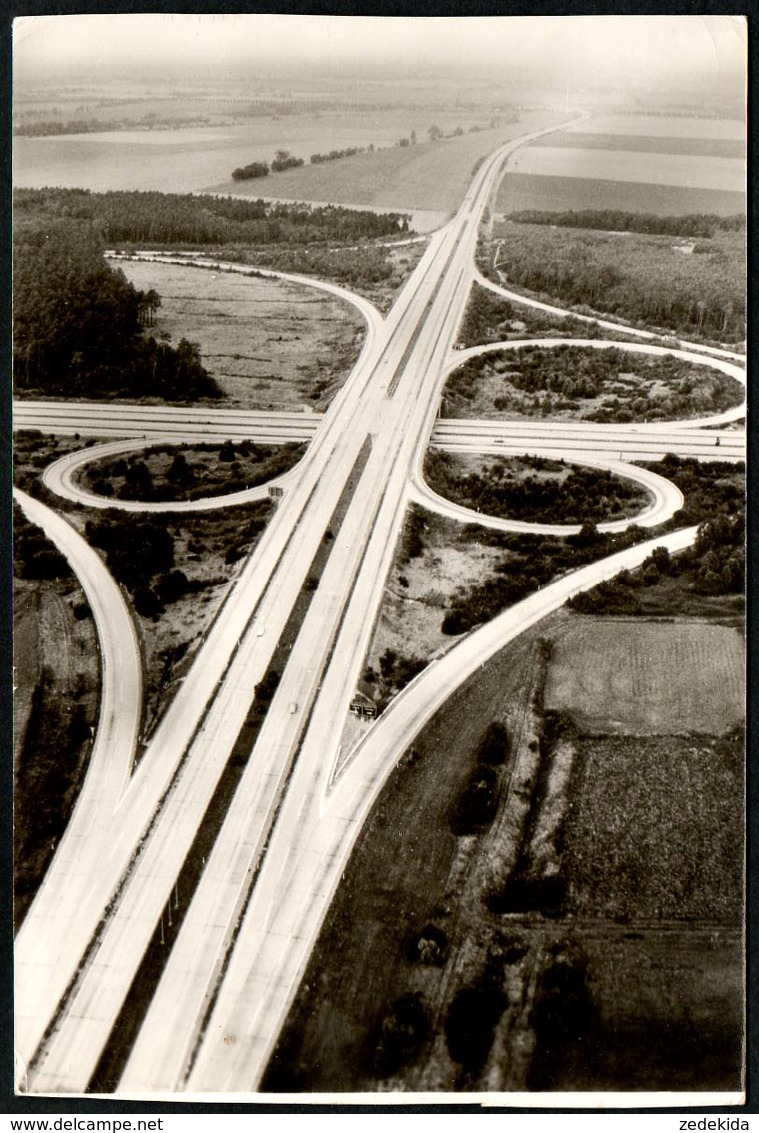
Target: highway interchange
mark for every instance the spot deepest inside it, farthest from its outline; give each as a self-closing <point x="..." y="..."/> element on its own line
<point x="286" y="837"/>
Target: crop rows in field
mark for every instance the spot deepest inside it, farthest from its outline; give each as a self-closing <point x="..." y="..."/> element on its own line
<point x="549" y="193"/>
<point x="704" y="147"/>
<point x="694" y="171"/>
<point x="616" y="676"/>
<point x="655" y="829"/>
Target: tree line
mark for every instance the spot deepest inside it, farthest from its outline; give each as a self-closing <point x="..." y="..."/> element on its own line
<point x="616" y="220"/>
<point x="172" y="218"/>
<point x="78" y="324"/>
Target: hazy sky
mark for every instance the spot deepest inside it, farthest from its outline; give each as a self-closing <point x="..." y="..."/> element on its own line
<point x="639" y="47"/>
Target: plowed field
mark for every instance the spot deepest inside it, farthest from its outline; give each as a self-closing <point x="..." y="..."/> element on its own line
<point x="618" y="676"/>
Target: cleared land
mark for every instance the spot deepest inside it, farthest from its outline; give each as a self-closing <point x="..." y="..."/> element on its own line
<point x="519" y="191"/>
<point x="720" y="174"/>
<point x="269" y="344"/>
<point x="616" y="676"/>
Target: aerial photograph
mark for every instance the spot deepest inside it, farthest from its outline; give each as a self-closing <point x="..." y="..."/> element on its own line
<point x="379" y="435"/>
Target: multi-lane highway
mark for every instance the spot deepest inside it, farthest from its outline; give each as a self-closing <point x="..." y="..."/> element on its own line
<point x="265" y="887"/>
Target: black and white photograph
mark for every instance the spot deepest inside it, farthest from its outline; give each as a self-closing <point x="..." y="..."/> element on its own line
<point x="379" y="649"/>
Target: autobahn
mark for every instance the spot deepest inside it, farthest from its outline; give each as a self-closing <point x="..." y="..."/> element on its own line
<point x="222" y="977"/>
<point x="160" y="811"/>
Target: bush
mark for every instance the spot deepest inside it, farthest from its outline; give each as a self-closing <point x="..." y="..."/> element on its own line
<point x="477" y="804"/>
<point x="147" y="603"/>
<point x="470" y="1023"/>
<point x="494" y="744"/>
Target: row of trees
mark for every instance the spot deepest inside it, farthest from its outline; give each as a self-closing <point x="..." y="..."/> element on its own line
<point x="615" y="220"/>
<point x="172" y="218"/>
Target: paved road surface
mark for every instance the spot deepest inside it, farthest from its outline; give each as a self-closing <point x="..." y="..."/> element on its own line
<point x="287" y="834"/>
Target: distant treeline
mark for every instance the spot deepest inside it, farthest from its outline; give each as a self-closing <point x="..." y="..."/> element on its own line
<point x="611" y="220"/>
<point x="56" y="128"/>
<point x="170" y="218"/>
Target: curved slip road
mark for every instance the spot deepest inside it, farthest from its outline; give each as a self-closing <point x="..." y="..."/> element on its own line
<point x="120" y="707"/>
<point x="114" y="745"/>
<point x="607" y="324"/>
<point x="240" y="949"/>
<point x="312" y="842"/>
<point x="667" y="499"/>
<point x="60" y="477"/>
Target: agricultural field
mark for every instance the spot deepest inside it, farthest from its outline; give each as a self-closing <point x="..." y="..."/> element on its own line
<point x="615" y="676"/>
<point x="693" y="171"/>
<point x="269" y="344"/>
<point x="662" y="126"/>
<point x="635" y="163"/>
<point x="426" y="176"/>
<point x="646" y="144"/>
<point x="55" y="703"/>
<point x="584" y="935"/>
<point x="518" y="191"/>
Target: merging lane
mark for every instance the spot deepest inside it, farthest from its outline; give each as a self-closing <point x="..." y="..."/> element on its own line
<point x="285" y="839"/>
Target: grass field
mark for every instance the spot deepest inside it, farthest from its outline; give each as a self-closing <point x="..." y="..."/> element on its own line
<point x="269" y="344"/>
<point x="693" y="171"/>
<point x="615" y="676"/>
<point x="520" y="191"/>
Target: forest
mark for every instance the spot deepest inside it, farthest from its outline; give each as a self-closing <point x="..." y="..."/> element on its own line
<point x="696" y="289"/>
<point x="78" y="325"/>
<point x="170" y="218"/>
